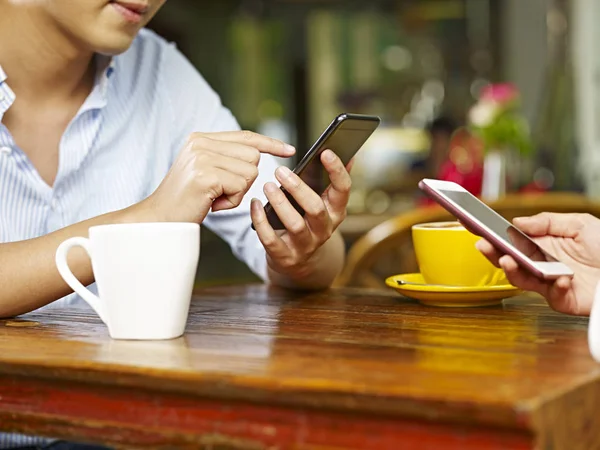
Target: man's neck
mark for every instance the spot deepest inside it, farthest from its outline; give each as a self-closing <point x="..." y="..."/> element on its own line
<point x="42" y="64"/>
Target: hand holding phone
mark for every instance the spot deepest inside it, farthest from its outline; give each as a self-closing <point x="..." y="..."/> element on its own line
<point x="485" y="222"/>
<point x="346" y="134"/>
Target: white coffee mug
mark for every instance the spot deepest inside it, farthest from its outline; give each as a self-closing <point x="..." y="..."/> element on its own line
<point x="144" y="273"/>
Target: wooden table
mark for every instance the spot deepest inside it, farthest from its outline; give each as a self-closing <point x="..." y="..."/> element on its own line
<point x="349" y="369"/>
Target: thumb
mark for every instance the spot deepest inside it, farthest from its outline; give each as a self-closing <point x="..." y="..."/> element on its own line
<point x="550" y="224"/>
<point x="350" y="165"/>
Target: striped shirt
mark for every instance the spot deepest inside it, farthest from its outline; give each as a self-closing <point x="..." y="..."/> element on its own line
<point x="117" y="149"/>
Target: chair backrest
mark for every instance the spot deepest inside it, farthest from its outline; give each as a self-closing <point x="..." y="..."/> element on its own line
<point x="387" y="249"/>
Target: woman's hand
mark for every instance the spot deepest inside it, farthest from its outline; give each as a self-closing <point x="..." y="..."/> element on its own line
<point x="574" y="239"/>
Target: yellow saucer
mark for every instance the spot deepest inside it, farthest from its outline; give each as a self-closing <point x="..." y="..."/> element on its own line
<point x="455" y="296"/>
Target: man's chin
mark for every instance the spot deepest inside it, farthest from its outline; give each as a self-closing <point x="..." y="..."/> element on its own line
<point x="115" y="43"/>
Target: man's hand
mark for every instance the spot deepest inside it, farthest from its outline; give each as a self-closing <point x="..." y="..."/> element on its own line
<point x="293" y="252"/>
<point x="213" y="171"/>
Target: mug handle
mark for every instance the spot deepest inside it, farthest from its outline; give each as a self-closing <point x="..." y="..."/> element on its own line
<point x="65" y="272"/>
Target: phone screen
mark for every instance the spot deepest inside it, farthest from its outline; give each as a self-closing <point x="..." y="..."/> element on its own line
<point x="345" y="141"/>
<point x="498" y="225"/>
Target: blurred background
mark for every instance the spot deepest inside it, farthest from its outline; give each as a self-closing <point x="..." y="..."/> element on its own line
<point x="286" y="68"/>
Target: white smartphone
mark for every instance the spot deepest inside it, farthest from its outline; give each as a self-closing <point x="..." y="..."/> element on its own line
<point x="483" y="221"/>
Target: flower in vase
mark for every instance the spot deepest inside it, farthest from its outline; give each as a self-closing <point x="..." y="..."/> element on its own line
<point x="497" y="121"/>
<point x="501" y="94"/>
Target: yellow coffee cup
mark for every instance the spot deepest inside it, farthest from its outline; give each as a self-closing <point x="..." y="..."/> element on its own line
<point x="447" y="255"/>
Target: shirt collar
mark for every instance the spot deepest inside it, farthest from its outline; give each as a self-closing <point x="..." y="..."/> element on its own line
<point x="106" y="66"/>
<point x="7" y="96"/>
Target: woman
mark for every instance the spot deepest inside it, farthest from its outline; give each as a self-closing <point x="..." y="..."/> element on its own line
<point x="101" y="121"/>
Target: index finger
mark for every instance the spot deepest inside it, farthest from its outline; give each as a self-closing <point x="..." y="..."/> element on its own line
<point x="263" y="144"/>
<point x="523" y="279"/>
<point x="489" y="251"/>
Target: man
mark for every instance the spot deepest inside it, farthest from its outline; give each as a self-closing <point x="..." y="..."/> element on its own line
<point x="102" y="121"/>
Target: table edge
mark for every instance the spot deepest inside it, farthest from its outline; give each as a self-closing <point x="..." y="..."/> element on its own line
<point x="507" y="415"/>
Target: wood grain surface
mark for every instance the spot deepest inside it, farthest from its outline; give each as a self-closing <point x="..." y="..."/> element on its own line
<point x="349" y="368"/>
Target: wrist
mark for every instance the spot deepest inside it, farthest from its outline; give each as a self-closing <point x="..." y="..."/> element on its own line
<point x="144" y="211"/>
<point x="316" y="273"/>
<point x="298" y="272"/>
<point x="292" y="279"/>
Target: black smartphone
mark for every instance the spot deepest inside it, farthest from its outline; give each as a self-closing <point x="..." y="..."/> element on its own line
<point x="344" y="136"/>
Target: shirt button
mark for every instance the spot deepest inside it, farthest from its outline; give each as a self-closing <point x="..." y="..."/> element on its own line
<point x="5" y="150"/>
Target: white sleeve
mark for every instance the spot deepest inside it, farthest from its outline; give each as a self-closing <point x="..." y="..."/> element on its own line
<point x="197" y="108"/>
<point x="594" y="326"/>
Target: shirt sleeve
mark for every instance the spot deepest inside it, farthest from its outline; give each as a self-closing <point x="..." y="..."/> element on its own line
<point x="594" y="326"/>
<point x="196" y="107"/>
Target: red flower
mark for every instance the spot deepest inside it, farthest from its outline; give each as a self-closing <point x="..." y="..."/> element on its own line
<point x="501" y="93"/>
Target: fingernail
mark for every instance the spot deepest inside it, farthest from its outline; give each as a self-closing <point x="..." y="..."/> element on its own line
<point x="290" y="148"/>
<point x="270" y="187"/>
<point x="329" y="156"/>
<point x="284" y="172"/>
<point x="255" y="204"/>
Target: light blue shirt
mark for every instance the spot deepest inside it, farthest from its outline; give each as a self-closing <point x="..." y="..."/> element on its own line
<point x="115" y="152"/>
<point x="145" y="104"/>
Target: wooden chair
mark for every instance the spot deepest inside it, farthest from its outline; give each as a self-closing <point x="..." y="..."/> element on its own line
<point x="387" y="249"/>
